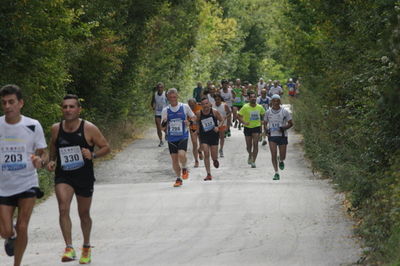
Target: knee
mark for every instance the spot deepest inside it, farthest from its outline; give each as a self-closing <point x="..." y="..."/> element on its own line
<point x="22" y="228"/>
<point x="64" y="209"/>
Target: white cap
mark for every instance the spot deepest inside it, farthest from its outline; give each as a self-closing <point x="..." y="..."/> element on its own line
<point x="276" y="96"/>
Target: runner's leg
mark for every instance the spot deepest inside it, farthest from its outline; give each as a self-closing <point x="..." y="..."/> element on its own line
<point x="65" y="193"/>
<point x="254" y="138"/>
<point x="249" y="145"/>
<point x="175" y="164"/>
<point x="6" y="221"/>
<point x="214" y="152"/>
<point x="25" y="207"/>
<point x="282" y="152"/>
<point x="158" y="125"/>
<point x="84" y="204"/>
<point x="206" y="150"/>
<point x="273" y="149"/>
<point x="193" y="138"/>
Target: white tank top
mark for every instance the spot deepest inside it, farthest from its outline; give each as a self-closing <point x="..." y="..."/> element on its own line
<point x="227" y="96"/>
<point x="221" y="110"/>
<point x="160" y="102"/>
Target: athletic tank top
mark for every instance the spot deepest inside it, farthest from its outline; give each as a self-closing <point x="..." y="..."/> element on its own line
<point x="70" y="161"/>
<point x="160" y="101"/>
<point x="227" y="96"/>
<point x="177" y="130"/>
<point x="221" y="110"/>
<point x="207" y="124"/>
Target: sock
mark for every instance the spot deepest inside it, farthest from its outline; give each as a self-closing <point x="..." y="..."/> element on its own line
<point x="69" y="246"/>
<point x="86" y="246"/>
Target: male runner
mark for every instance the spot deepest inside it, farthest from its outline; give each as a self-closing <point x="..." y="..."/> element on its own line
<point x="22" y="150"/>
<point x="291" y="87"/>
<point x="225" y="112"/>
<point x="194" y="134"/>
<point x="251" y="115"/>
<point x="208" y="131"/>
<point x="276" y="89"/>
<point x="227" y="97"/>
<point x="264" y="101"/>
<point x="278" y="120"/>
<point x="174" y="120"/>
<point x="238" y="101"/>
<point x="71" y="156"/>
<point x="158" y="102"/>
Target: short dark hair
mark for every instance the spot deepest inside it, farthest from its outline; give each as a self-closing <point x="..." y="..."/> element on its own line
<point x="11" y="89"/>
<point x="204" y="98"/>
<point x="72" y="96"/>
<point x="217" y="95"/>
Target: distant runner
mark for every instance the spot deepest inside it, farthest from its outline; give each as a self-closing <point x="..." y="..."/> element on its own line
<point x="158" y="102"/>
<point x="251" y="115"/>
<point x="238" y="101"/>
<point x="225" y="112"/>
<point x="194" y="134"/>
<point x="277" y="120"/>
<point x="264" y="101"/>
<point x="175" y="121"/>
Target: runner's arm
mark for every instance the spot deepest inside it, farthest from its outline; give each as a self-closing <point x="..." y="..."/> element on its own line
<point x="51" y="165"/>
<point x="98" y="140"/>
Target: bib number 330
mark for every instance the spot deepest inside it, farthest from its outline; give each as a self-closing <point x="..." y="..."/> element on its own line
<point x="71" y="158"/>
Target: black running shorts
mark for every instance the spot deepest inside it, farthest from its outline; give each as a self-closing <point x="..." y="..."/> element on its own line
<point x="248" y="132"/>
<point x="34" y="192"/>
<point x="175" y="146"/>
<point x="83" y="190"/>
<point x="279" y="140"/>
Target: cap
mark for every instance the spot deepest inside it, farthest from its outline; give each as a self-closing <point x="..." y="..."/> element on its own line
<point x="276" y="96"/>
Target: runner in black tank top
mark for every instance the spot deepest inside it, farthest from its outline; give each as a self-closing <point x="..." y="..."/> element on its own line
<point x="209" y="134"/>
<point x="83" y="175"/>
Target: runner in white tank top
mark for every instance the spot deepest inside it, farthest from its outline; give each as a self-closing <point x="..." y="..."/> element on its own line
<point x="158" y="102"/>
<point x="225" y="112"/>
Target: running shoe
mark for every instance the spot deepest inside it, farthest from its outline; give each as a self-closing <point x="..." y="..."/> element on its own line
<point x="196" y="164"/>
<point x="69" y="255"/>
<point x="185" y="173"/>
<point x="86" y="256"/>
<point x="178" y="182"/>
<point x="276" y="177"/>
<point x="200" y="155"/>
<point x="253" y="165"/>
<point x="249" y="160"/>
<point x="281" y="165"/>
<point x="229" y="133"/>
<point x="216" y="163"/>
<point x="161" y="143"/>
<point x="208" y="178"/>
<point x="264" y="143"/>
<point x="221" y="153"/>
<point x="9" y="246"/>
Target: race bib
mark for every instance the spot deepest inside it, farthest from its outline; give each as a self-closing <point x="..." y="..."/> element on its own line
<point x="176" y="127"/>
<point x="255" y="115"/>
<point x="208" y="124"/>
<point x="13" y="157"/>
<point x="159" y="108"/>
<point x="238" y="100"/>
<point x="275" y="126"/>
<point x="71" y="158"/>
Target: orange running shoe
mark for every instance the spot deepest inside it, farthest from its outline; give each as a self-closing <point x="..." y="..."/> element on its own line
<point x="208" y="178"/>
<point x="178" y="182"/>
<point x="185" y="173"/>
<point x="69" y="255"/>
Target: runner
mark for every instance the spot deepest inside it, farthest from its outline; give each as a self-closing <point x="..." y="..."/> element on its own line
<point x="278" y="120"/>
<point x="209" y="92"/>
<point x="197" y="92"/>
<point x="174" y="120"/>
<point x="193" y="133"/>
<point x="251" y="115"/>
<point x="227" y="96"/>
<point x="225" y="112"/>
<point x="238" y="101"/>
<point x="208" y="132"/>
<point x="71" y="156"/>
<point x="276" y="89"/>
<point x="291" y="87"/>
<point x="22" y="150"/>
<point x="158" y="102"/>
<point x="264" y="101"/>
<point x="260" y="85"/>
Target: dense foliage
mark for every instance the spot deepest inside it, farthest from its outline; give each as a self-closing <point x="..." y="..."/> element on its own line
<point x="347" y="53"/>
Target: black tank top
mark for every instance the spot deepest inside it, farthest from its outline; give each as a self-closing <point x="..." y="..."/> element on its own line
<point x="203" y="117"/>
<point x="74" y="165"/>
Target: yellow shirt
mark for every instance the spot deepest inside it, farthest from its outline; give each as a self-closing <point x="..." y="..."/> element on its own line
<point x="252" y="115"/>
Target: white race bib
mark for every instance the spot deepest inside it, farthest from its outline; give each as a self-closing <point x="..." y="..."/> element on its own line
<point x="71" y="158"/>
<point x="208" y="124"/>
<point x="176" y="127"/>
<point x="13" y="157"/>
<point x="255" y="115"/>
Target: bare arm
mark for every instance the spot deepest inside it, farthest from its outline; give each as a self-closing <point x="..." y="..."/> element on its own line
<point x="98" y="140"/>
<point x="51" y="165"/>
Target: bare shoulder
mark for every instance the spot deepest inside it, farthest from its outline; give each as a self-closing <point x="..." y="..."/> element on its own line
<point x="55" y="127"/>
<point x="90" y="127"/>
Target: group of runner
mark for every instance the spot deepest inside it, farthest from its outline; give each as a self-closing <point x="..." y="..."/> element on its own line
<point x="23" y="149"/>
<point x="209" y="116"/>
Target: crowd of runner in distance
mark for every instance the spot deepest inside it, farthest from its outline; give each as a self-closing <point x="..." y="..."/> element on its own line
<point x="214" y="110"/>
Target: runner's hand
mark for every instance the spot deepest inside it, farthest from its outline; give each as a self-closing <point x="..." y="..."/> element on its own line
<point x="51" y="166"/>
<point x="36" y="161"/>
<point x="87" y="154"/>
